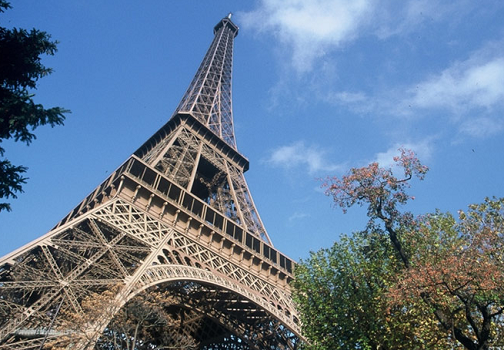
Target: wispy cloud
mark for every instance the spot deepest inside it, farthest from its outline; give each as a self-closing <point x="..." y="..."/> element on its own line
<point x="311" y="29"/>
<point x="298" y="155"/>
<point x="347" y="97"/>
<point x="466" y="85"/>
<point x="469" y="93"/>
<point x="298" y="216"/>
<point x="482" y="127"/>
<point x="422" y="149"/>
<point x="402" y="18"/>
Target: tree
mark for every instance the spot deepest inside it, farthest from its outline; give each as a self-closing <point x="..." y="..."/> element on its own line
<point x="341" y="294"/>
<point x="458" y="267"/>
<point x="382" y="192"/>
<point x="144" y="322"/>
<point x="447" y="273"/>
<point x="20" y="115"/>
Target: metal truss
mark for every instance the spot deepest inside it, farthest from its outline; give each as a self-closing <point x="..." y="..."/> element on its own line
<point x="192" y="161"/>
<point x="118" y="243"/>
<point x="208" y="98"/>
<point x="176" y="217"/>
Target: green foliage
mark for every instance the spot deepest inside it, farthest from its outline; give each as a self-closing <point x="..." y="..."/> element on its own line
<point x="432" y="282"/>
<point x="458" y="266"/>
<point x="4" y="5"/>
<point x="10" y="181"/>
<point x="341" y="294"/>
<point x="20" y="70"/>
<point x="147" y="321"/>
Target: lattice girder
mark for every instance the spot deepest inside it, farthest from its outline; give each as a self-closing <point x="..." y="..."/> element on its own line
<point x="184" y="156"/>
<point x="208" y="97"/>
<point x="244" y="321"/>
<point x="97" y="264"/>
<point x="176" y="216"/>
<point x="67" y="276"/>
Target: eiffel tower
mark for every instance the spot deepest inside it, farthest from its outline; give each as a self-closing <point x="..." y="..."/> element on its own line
<point x="176" y="216"/>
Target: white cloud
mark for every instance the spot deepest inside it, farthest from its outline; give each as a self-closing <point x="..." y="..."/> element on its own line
<point x="357" y="101"/>
<point x="472" y="91"/>
<point x="468" y="94"/>
<point x="477" y="83"/>
<point x="401" y="18"/>
<point x="309" y="28"/>
<point x="422" y="149"/>
<point x="470" y="84"/>
<point x="348" y="97"/>
<point x="298" y="216"/>
<point x="482" y="127"/>
<point x="299" y="155"/>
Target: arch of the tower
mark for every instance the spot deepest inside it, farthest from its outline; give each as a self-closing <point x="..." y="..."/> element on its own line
<point x="136" y="232"/>
<point x="200" y="311"/>
<point x="117" y="244"/>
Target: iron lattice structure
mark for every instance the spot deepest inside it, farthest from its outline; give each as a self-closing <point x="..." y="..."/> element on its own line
<point x="177" y="216"/>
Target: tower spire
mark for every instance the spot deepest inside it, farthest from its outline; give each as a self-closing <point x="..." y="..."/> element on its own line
<point x="208" y="97"/>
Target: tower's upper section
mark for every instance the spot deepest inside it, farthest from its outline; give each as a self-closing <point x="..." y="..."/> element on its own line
<point x="208" y="98"/>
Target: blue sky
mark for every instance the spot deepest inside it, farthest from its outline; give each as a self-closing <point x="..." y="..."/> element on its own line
<point x="318" y="87"/>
